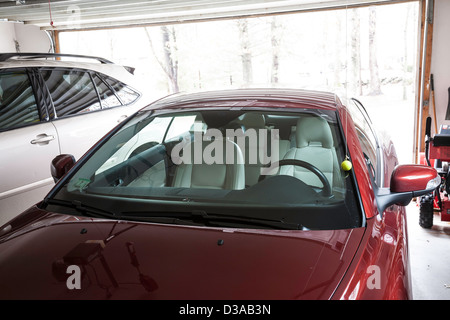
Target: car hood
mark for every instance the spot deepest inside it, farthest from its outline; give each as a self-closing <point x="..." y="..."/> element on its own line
<point x="133" y="260"/>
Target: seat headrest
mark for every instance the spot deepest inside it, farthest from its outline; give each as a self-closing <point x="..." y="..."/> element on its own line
<point x="253" y="120"/>
<point x="312" y="130"/>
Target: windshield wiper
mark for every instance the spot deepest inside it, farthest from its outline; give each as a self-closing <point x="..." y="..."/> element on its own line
<point x="201" y="217"/>
<point x="86" y="210"/>
<point x="195" y="217"/>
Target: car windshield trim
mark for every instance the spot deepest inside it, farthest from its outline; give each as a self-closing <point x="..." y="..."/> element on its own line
<point x="86" y="210"/>
<point x="197" y="217"/>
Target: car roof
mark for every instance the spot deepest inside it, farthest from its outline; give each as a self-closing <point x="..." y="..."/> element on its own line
<point x="259" y="97"/>
<point x="114" y="70"/>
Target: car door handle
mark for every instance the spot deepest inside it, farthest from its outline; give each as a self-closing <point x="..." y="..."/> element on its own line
<point x="43" y="139"/>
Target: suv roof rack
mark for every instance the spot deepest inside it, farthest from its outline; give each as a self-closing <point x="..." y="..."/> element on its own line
<point x="7" y="56"/>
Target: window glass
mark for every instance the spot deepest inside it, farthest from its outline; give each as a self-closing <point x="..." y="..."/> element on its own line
<point x="17" y="102"/>
<point x="147" y="137"/>
<point x="137" y="172"/>
<point x="125" y="93"/>
<point x="72" y="91"/>
<point x="366" y="137"/>
<point x="107" y="97"/>
<point x="181" y="125"/>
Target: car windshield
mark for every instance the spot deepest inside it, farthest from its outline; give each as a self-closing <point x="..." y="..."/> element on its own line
<point x="220" y="168"/>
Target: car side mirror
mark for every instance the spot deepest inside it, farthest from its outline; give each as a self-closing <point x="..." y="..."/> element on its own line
<point x="407" y="182"/>
<point x="61" y="165"/>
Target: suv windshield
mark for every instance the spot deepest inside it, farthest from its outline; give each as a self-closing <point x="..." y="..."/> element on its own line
<point x="224" y="168"/>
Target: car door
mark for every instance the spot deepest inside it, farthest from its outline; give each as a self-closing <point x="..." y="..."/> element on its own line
<point x="86" y="107"/>
<point x="28" y="143"/>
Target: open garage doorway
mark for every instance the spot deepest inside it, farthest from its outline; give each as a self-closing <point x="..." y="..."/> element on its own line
<point x="367" y="52"/>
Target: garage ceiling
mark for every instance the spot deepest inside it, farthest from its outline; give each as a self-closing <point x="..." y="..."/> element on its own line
<point x="89" y="14"/>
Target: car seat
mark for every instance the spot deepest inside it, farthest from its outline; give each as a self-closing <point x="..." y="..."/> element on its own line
<point x="314" y="144"/>
<point x="229" y="174"/>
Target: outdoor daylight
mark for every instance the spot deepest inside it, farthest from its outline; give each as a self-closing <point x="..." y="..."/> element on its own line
<point x="368" y="53"/>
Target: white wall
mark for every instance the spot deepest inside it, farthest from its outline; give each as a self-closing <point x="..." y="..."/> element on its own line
<point x="440" y="59"/>
<point x="28" y="38"/>
<point x="7" y="36"/>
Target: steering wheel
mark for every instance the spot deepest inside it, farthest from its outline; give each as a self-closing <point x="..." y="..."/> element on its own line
<point x="294" y="162"/>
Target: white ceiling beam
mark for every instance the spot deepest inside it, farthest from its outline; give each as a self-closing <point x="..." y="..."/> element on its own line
<point x="84" y="14"/>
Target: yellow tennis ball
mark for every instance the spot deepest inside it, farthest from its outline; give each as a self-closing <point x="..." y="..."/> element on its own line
<point x="346" y="165"/>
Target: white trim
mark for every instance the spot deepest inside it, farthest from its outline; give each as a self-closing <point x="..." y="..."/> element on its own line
<point x="26" y="188"/>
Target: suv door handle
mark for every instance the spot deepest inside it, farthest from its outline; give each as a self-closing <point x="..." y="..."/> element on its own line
<point x="43" y="139"/>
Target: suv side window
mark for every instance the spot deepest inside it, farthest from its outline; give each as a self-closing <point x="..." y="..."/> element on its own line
<point x="17" y="102"/>
<point x="72" y="91"/>
<point x="107" y="96"/>
<point x="366" y="138"/>
<point x="125" y="93"/>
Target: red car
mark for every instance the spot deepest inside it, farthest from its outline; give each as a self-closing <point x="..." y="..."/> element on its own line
<point x="240" y="194"/>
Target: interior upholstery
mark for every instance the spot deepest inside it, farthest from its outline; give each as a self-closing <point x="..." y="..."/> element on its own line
<point x="254" y="121"/>
<point x="314" y="144"/>
<point x="229" y="174"/>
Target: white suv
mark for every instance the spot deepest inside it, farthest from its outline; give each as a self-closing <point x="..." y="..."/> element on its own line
<point x="51" y="107"/>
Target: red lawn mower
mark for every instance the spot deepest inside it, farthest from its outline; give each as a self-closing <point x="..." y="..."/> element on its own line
<point x="437" y="154"/>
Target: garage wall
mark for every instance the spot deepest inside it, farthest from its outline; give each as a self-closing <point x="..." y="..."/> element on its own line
<point x="440" y="63"/>
<point x="7" y="34"/>
<point x="27" y="38"/>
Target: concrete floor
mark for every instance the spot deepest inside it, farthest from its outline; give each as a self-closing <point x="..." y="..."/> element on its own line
<point x="429" y="256"/>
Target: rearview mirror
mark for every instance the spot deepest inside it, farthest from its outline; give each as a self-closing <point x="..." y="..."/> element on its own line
<point x="61" y="165"/>
<point x="407" y="182"/>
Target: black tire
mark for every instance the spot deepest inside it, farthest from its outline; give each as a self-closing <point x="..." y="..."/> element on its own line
<point x="426" y="212"/>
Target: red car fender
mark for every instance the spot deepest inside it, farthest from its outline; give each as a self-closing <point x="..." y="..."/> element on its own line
<point x="380" y="269"/>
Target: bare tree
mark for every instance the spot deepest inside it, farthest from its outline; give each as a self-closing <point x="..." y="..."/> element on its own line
<point x="169" y="63"/>
<point x="375" y="84"/>
<point x="275" y="33"/>
<point x="169" y="40"/>
<point x="355" y="67"/>
<point x="337" y="52"/>
<point x="246" y="55"/>
<point x="405" y="53"/>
